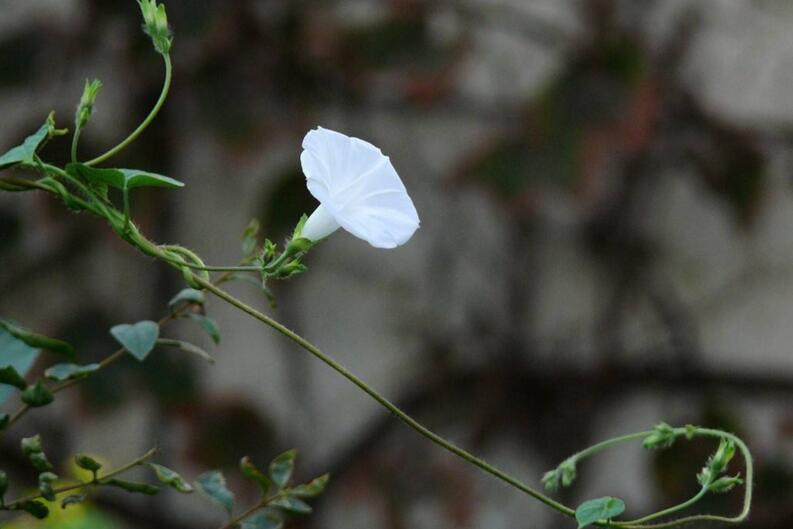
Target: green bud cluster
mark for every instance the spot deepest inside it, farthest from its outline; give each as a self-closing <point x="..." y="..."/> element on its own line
<point x="563" y="475"/>
<point x="663" y="436"/>
<point x="86" y="107"/>
<point x="155" y="24"/>
<point x="716" y="465"/>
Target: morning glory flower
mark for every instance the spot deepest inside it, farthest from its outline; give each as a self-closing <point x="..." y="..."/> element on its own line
<point x="358" y="189"/>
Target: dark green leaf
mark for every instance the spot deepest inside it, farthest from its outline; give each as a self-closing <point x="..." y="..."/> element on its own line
<point x="46" y="480"/>
<point x="87" y="462"/>
<point x="35" y="508"/>
<point x="10" y="377"/>
<point x="208" y="324"/>
<point x="262" y="520"/>
<point x="4" y="420"/>
<point x="40" y="462"/>
<point x="251" y="471"/>
<point x="123" y="179"/>
<point x="37" y="395"/>
<point x="138" y="339"/>
<point x="37" y="341"/>
<point x="61" y="372"/>
<point x="17" y="354"/>
<point x="73" y="499"/>
<point x="26" y="151"/>
<point x="188" y="295"/>
<point x="604" y="509"/>
<point x="213" y="484"/>
<point x="171" y="478"/>
<point x="130" y="486"/>
<point x="313" y="488"/>
<point x="291" y="505"/>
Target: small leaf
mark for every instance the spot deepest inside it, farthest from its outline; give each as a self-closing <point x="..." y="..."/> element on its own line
<point x="131" y="486"/>
<point x="291" y="505"/>
<point x="251" y="471"/>
<point x="37" y="395"/>
<point x="61" y="372"/>
<point x="188" y="295"/>
<point x="208" y="324"/>
<point x="213" y="484"/>
<point x="282" y="466"/>
<point x="31" y="445"/>
<point x="311" y="489"/>
<point x="604" y="509"/>
<point x="10" y="377"/>
<point x="26" y="151"/>
<point x="171" y="478"/>
<point x="37" y="341"/>
<point x="40" y="462"/>
<point x="138" y="339"/>
<point x="73" y="499"/>
<point x="46" y="480"/>
<point x="87" y="462"/>
<point x="15" y="353"/>
<point x="35" y="508"/>
<point x="188" y="348"/>
<point x="262" y="520"/>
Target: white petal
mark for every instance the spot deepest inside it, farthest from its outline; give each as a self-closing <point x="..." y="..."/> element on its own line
<point x="359" y="186"/>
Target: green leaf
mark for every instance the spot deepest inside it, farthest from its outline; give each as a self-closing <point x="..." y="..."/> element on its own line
<point x="37" y="341"/>
<point x="131" y="486"/>
<point x="87" y="462"/>
<point x="213" y="484"/>
<point x="291" y="505"/>
<point x="604" y="509"/>
<point x="208" y="324"/>
<point x="73" y="499"/>
<point x="26" y="151"/>
<point x="17" y="354"/>
<point x="123" y="179"/>
<point x="46" y="479"/>
<point x="188" y="348"/>
<point x="35" y="508"/>
<point x="10" y="377"/>
<point x="138" y="339"/>
<point x="262" y="520"/>
<point x="188" y="295"/>
<point x="37" y="395"/>
<point x="61" y="372"/>
<point x="171" y="478"/>
<point x="311" y="489"/>
<point x="31" y="445"/>
<point x="282" y="466"/>
<point x="250" y="470"/>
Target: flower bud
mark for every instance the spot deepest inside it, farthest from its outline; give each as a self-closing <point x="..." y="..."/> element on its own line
<point x="155" y="24"/>
<point x="725" y="484"/>
<point x="86" y="106"/>
<point x="551" y="479"/>
<point x="663" y="436"/>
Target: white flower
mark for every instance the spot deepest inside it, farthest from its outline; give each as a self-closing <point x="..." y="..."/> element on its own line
<point x="358" y="190"/>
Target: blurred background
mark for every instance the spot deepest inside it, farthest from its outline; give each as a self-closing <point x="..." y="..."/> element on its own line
<point x="606" y="242"/>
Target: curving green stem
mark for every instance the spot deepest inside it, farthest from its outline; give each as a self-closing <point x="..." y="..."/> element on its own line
<point x="393" y="408"/>
<point x="146" y="122"/>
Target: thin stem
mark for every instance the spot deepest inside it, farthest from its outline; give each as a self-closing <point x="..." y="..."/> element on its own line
<point x="75" y="141"/>
<point x="670" y="510"/>
<point x="404" y="417"/>
<point x="96" y="481"/>
<point x="146" y="122"/>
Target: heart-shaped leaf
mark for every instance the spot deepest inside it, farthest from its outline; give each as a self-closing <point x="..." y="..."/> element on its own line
<point x="138" y="339"/>
<point x="592" y="511"/>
